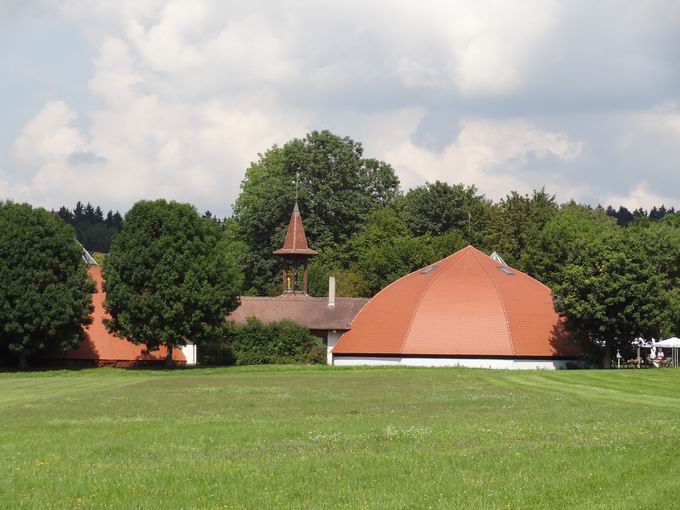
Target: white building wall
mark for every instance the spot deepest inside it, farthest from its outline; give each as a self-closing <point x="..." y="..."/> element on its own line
<point x="332" y="339"/>
<point x="190" y="353"/>
<point x="511" y="364"/>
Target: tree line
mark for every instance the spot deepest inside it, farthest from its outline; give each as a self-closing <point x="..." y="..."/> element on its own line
<point x="94" y="230"/>
<point x="625" y="218"/>
<point x="172" y="274"/>
<point x="615" y="275"/>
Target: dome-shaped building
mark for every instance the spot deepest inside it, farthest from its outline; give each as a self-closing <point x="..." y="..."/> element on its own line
<point x="468" y="309"/>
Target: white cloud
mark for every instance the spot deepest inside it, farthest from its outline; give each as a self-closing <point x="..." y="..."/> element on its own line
<point x="641" y="196"/>
<point x="149" y="149"/>
<point x="185" y="93"/>
<point x="492" y="155"/>
<point x="49" y="135"/>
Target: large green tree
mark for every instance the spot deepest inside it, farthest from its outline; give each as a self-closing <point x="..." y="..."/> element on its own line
<point x="337" y="188"/>
<point x="45" y="292"/>
<point x="661" y="244"/>
<point x="572" y="228"/>
<point x="349" y="283"/>
<point x="610" y="293"/>
<point x="438" y="208"/>
<point x="169" y="277"/>
<point x="386" y="250"/>
<point x="515" y="223"/>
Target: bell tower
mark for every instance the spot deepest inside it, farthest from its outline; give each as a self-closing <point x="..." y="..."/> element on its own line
<point x="295" y="255"/>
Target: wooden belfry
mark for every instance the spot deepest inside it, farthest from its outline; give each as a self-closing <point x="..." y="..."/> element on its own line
<point x="295" y="255"/>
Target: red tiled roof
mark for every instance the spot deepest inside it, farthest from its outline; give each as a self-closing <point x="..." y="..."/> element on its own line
<point x="464" y="305"/>
<point x="311" y="312"/>
<point x="101" y="346"/>
<point x="296" y="241"/>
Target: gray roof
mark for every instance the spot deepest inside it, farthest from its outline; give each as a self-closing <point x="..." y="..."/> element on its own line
<point x="311" y="312"/>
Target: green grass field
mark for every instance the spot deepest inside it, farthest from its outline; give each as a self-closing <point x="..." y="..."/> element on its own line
<point x="316" y="437"/>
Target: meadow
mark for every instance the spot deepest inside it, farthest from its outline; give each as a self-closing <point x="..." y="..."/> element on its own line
<point x="321" y="437"/>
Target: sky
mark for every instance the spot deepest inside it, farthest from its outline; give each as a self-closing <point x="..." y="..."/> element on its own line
<point x="116" y="101"/>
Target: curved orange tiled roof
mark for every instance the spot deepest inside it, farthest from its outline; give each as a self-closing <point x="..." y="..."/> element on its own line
<point x="464" y="305"/>
<point x="101" y="346"/>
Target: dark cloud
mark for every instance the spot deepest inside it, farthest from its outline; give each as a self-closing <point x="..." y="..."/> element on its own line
<point x="85" y="158"/>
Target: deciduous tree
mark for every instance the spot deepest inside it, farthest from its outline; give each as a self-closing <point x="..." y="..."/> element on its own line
<point x="572" y="228"/>
<point x="438" y="208"/>
<point x="610" y="293"/>
<point x="169" y="277"/>
<point x="337" y="190"/>
<point x="386" y="250"/>
<point x="45" y="292"/>
<point x="515" y="223"/>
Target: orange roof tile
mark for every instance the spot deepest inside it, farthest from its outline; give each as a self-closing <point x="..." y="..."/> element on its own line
<point x="296" y="241"/>
<point x="102" y="346"/>
<point x="464" y="305"/>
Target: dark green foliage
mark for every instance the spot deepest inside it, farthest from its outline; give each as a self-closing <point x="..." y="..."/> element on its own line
<point x="386" y="250"/>
<point x="660" y="242"/>
<point x="515" y="223"/>
<point x="338" y="189"/>
<point x="567" y="232"/>
<point x="612" y="284"/>
<point x="610" y="292"/>
<point x="216" y="351"/>
<point x="284" y="341"/>
<point x="45" y="292"/>
<point x="170" y="277"/>
<point x="94" y="231"/>
<point x="660" y="213"/>
<point x="438" y="208"/>
<point x="625" y="218"/>
<point x="349" y="283"/>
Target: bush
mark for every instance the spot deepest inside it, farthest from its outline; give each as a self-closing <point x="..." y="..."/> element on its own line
<point x="216" y="352"/>
<point x="284" y="341"/>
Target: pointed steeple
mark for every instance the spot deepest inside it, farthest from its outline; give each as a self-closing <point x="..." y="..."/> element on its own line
<point x="295" y="242"/>
<point x="295" y="254"/>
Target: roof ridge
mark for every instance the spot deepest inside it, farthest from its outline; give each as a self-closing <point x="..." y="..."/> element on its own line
<point x="422" y="295"/>
<point x="296" y="212"/>
<point x="534" y="279"/>
<point x="500" y="298"/>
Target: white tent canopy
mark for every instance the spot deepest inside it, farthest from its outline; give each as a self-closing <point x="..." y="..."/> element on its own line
<point x="669" y="342"/>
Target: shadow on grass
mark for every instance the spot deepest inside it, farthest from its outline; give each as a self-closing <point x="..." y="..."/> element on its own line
<point x="17" y="370"/>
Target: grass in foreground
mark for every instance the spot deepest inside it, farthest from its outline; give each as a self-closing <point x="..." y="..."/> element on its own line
<point x="321" y="438"/>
